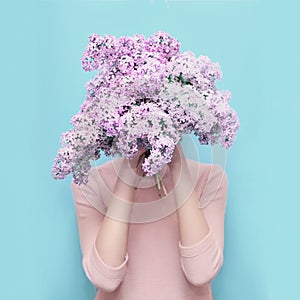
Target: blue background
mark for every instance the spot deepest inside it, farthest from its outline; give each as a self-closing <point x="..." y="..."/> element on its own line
<point x="255" y="43"/>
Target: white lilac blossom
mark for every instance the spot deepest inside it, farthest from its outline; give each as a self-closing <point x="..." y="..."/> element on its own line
<point x="147" y="94"/>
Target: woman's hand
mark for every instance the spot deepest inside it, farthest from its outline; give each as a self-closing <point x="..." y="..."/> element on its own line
<point x="178" y="165"/>
<point x="136" y="162"/>
<point x="130" y="170"/>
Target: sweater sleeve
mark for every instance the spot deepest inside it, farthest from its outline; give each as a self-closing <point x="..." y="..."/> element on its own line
<point x="202" y="261"/>
<point x="89" y="219"/>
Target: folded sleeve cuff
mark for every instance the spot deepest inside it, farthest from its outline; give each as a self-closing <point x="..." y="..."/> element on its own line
<point x="198" y="248"/>
<point x="103" y="268"/>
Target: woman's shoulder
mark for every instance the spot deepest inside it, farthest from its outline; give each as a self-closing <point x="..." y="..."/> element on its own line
<point x="108" y="167"/>
<point x="206" y="167"/>
<point x="211" y="180"/>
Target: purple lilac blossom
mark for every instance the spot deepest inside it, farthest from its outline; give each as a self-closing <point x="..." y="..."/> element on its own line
<point x="146" y="93"/>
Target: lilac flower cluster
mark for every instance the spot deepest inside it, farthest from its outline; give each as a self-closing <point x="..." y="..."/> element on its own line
<point x="147" y="94"/>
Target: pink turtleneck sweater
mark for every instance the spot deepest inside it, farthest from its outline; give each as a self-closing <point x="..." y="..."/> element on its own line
<point x="156" y="265"/>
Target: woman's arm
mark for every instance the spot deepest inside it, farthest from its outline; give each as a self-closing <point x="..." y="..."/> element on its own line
<point x="111" y="240"/>
<point x="201" y="234"/>
<point x="103" y="239"/>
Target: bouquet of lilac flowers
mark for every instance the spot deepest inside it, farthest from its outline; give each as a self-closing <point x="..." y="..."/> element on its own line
<point x="146" y="94"/>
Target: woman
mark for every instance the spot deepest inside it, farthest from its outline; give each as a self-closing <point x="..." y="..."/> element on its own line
<point x="168" y="257"/>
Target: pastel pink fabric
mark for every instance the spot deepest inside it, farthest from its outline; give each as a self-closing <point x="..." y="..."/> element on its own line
<point x="156" y="265"/>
